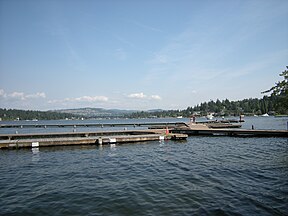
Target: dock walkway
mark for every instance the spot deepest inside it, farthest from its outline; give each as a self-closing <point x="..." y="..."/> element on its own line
<point x="84" y="138"/>
<point x="101" y="125"/>
<point x="230" y="132"/>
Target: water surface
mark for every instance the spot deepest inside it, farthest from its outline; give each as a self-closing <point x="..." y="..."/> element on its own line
<point x="200" y="176"/>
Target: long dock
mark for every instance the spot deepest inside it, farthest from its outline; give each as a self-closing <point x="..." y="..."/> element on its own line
<point x="230" y="132"/>
<point x="156" y="131"/>
<point x="101" y="125"/>
<point x="10" y="141"/>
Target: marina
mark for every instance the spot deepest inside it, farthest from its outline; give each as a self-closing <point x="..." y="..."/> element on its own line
<point x="143" y="108"/>
<point x="121" y="132"/>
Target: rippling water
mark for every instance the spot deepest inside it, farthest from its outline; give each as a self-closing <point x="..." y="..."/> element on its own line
<point x="200" y="176"/>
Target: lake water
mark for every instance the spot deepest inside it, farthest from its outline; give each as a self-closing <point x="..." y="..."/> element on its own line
<point x="257" y="122"/>
<point x="200" y="176"/>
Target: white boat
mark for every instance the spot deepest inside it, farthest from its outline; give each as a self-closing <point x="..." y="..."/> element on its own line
<point x="265" y="115"/>
<point x="210" y="116"/>
<point x="179" y="117"/>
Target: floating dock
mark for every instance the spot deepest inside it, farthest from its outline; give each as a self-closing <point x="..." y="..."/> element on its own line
<point x="230" y="132"/>
<point x="101" y="125"/>
<point x="157" y="131"/>
<point x="16" y="141"/>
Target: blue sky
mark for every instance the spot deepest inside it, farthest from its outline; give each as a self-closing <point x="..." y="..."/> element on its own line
<point x="143" y="55"/>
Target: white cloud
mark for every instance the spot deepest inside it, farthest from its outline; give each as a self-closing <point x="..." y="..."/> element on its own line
<point x="143" y="96"/>
<point x="156" y="97"/>
<point x="137" y="95"/>
<point x="2" y="93"/>
<point x="17" y="95"/>
<point x="22" y="100"/>
<point x="53" y="101"/>
<point x="89" y="99"/>
<point x="37" y="95"/>
<point x="21" y="95"/>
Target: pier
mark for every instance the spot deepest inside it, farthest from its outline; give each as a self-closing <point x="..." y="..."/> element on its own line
<point x="15" y="141"/>
<point x="154" y="131"/>
<point x="101" y="125"/>
<point x="230" y="132"/>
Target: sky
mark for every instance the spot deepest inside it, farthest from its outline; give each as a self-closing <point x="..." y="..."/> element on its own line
<point x="136" y="54"/>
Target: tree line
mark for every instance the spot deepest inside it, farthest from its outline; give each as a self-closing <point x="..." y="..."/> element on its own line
<point x="16" y="114"/>
<point x="252" y="106"/>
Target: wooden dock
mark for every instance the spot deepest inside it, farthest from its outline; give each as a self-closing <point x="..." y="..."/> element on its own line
<point x="230" y="132"/>
<point x="15" y="141"/>
<point x="101" y="125"/>
<point x="157" y="131"/>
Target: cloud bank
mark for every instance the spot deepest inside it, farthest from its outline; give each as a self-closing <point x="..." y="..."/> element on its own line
<point x="21" y="95"/>
<point x="141" y="95"/>
<point x="89" y="99"/>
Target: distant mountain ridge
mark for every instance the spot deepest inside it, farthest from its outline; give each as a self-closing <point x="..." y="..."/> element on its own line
<point x="90" y="112"/>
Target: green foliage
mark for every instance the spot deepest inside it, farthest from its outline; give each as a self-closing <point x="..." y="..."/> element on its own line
<point x="280" y="93"/>
<point x="252" y="106"/>
<point x="14" y="114"/>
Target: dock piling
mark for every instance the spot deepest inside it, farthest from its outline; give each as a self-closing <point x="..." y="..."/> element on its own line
<point x="99" y="141"/>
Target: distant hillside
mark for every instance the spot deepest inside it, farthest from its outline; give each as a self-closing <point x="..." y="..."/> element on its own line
<point x="97" y="112"/>
<point x="251" y="106"/>
<point x="15" y="114"/>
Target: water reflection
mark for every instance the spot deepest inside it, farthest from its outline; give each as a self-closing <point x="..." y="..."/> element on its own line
<point x="100" y="147"/>
<point x="113" y="150"/>
<point x="35" y="154"/>
<point x="161" y="143"/>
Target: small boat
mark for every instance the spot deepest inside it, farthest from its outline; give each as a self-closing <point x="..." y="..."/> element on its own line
<point x="265" y="115"/>
<point x="210" y="116"/>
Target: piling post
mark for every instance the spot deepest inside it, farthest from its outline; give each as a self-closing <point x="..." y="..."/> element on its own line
<point x="100" y="141"/>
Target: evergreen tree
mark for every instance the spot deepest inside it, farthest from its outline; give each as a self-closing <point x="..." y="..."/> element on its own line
<point x="280" y="93"/>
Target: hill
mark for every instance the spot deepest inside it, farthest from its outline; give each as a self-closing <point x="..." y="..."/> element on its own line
<point x="89" y="112"/>
<point x="15" y="114"/>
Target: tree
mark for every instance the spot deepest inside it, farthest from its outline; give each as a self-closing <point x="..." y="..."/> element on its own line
<point x="280" y="91"/>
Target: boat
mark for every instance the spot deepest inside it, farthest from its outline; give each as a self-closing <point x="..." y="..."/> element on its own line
<point x="265" y="115"/>
<point x="210" y="116"/>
